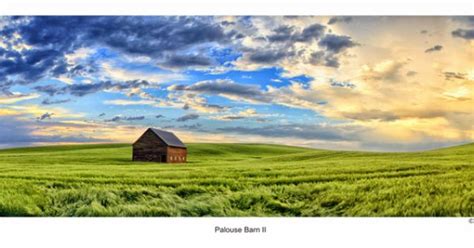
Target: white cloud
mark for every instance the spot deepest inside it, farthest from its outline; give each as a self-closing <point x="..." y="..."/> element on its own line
<point x="248" y="112"/>
<point x="276" y="80"/>
<point x="17" y="97"/>
<point x="131" y="102"/>
<point x="388" y="70"/>
<point x="122" y="74"/>
<point x="66" y="80"/>
<point x="78" y="55"/>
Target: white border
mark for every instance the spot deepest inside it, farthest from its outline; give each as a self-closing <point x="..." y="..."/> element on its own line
<point x="236" y="7"/>
<point x="199" y="232"/>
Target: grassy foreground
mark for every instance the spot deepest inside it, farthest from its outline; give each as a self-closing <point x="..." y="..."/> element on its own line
<point x="236" y="180"/>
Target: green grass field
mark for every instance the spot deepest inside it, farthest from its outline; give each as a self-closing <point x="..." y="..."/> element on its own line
<point x="236" y="180"/>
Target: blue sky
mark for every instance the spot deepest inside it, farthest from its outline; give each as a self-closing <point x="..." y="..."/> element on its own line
<point x="361" y="83"/>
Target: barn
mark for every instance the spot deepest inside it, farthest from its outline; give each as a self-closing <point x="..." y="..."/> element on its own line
<point x="156" y="145"/>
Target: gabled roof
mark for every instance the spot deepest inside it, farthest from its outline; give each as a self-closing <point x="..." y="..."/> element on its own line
<point x="169" y="138"/>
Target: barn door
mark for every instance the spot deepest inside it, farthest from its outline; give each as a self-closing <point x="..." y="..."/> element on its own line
<point x="163" y="158"/>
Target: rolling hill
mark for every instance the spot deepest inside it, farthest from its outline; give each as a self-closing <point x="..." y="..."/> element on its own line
<point x="236" y="180"/>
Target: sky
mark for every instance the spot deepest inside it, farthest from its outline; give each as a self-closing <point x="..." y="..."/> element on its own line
<point x="341" y="82"/>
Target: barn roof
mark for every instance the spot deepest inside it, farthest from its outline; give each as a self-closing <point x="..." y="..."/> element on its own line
<point x="169" y="138"/>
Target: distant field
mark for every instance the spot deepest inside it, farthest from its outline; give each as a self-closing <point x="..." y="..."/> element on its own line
<point x="236" y="180"/>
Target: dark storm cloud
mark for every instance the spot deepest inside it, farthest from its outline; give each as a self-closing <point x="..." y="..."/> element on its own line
<point x="467" y="34"/>
<point x="449" y="75"/>
<point x="125" y="118"/>
<point x="281" y="34"/>
<point x="214" y="106"/>
<point x="180" y="61"/>
<point x="325" y="59"/>
<point x="287" y="36"/>
<point x="269" y="56"/>
<point x="187" y="117"/>
<point x="340" y="19"/>
<point x="434" y="49"/>
<point x="51" y="37"/>
<point x="227" y="23"/>
<point x="31" y="65"/>
<point x="287" y="33"/>
<point x="47" y="101"/>
<point x="332" y="45"/>
<point x="135" y="118"/>
<point x="85" y="89"/>
<point x="310" y="33"/>
<point x="342" y="84"/>
<point x="411" y="73"/>
<point x="196" y="126"/>
<point x="336" y="43"/>
<point x="45" y="116"/>
<point x="302" y="131"/>
<point x="225" y="87"/>
<point x="331" y="61"/>
<point x="239" y="36"/>
<point x="114" y="119"/>
<point x="130" y="84"/>
<point x="51" y="90"/>
<point x="5" y="87"/>
<point x="155" y="35"/>
<point x="82" y="70"/>
<point x="233" y="117"/>
<point x="80" y="90"/>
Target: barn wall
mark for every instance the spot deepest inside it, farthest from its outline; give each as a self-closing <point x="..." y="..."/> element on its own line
<point x="177" y="155"/>
<point x="149" y="148"/>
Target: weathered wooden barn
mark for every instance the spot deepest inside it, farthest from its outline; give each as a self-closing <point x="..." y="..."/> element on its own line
<point x="156" y="145"/>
